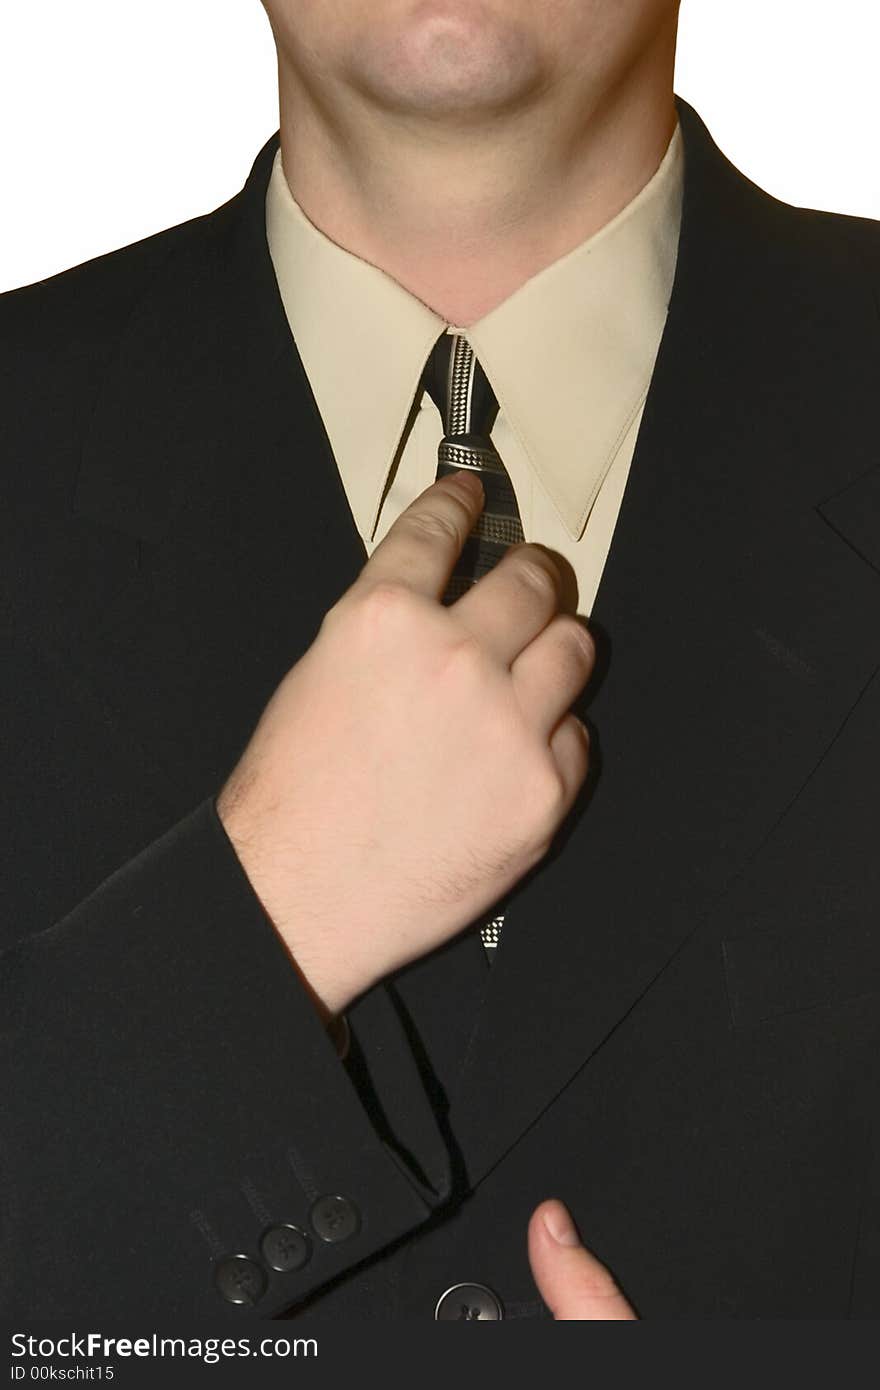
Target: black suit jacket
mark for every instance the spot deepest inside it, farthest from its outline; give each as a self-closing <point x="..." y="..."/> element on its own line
<point x="680" y="1034"/>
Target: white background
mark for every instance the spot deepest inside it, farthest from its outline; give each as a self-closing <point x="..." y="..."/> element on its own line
<point x="120" y="119"/>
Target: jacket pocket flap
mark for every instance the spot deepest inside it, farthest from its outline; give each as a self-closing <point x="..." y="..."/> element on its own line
<point x="854" y="513"/>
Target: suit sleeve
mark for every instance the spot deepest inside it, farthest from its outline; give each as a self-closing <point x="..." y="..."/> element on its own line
<point x="177" y="1128"/>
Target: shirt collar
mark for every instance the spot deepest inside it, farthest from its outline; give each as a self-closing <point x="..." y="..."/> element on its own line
<point x="569" y="354"/>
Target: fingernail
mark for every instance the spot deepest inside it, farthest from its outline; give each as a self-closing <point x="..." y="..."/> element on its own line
<point x="560" y="1225"/>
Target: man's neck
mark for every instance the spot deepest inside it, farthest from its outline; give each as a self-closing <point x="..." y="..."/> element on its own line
<point x="461" y="217"/>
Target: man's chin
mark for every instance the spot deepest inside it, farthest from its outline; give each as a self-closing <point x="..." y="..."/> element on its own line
<point x="444" y="59"/>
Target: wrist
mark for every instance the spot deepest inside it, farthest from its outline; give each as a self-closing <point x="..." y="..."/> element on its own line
<point x="329" y="995"/>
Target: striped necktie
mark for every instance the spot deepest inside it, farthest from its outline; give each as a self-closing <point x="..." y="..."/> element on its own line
<point x="461" y="391"/>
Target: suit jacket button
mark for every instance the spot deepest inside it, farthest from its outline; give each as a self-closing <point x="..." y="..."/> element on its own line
<point x="468" y="1303"/>
<point x="334" y="1218"/>
<point x="239" y="1279"/>
<point x="285" y="1248"/>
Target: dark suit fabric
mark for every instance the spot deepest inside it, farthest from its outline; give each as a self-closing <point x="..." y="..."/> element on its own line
<point x="680" y="1034"/>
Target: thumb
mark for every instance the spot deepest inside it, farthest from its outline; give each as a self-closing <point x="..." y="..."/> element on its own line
<point x="571" y="1281"/>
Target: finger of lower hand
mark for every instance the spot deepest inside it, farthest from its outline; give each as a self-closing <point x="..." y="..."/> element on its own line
<point x="572" y="1282"/>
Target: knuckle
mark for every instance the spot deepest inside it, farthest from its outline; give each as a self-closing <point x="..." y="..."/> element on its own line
<point x="385" y="593"/>
<point x="431" y="526"/>
<point x="382" y="602"/>
<point x="464" y="656"/>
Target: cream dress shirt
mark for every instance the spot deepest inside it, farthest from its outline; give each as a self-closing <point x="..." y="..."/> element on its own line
<point x="569" y="354"/>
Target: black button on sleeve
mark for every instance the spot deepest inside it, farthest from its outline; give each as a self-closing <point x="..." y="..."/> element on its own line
<point x="285" y="1248"/>
<point x="240" y="1280"/>
<point x="334" y="1219"/>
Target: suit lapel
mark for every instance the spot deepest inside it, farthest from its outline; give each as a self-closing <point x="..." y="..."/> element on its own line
<point x="736" y="632"/>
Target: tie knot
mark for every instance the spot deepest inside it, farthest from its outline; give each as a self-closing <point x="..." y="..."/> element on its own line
<point x="459" y="387"/>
